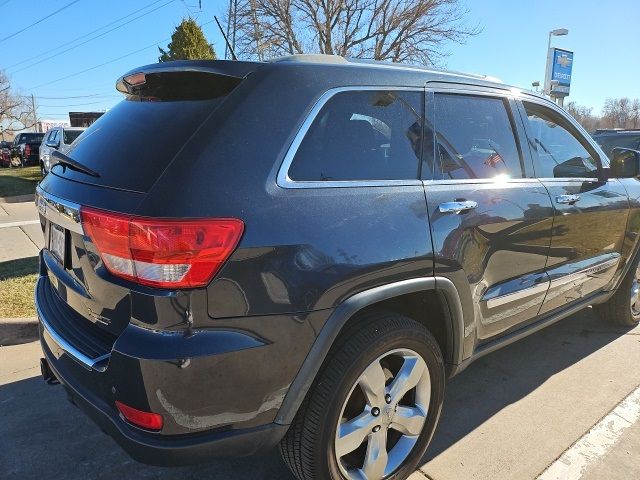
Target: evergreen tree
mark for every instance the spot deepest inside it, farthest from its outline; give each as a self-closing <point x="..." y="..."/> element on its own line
<point x="188" y="43"/>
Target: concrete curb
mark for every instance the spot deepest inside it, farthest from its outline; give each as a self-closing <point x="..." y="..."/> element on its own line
<point x="30" y="197"/>
<point x="15" y="331"/>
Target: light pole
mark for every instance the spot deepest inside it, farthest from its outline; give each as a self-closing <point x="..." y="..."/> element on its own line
<point x="558" y="32"/>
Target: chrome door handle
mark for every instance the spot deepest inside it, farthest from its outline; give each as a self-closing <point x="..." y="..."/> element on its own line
<point x="567" y="199"/>
<point x="457" y="206"/>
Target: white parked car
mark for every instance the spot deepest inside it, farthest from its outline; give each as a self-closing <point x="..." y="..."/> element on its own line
<point x="57" y="138"/>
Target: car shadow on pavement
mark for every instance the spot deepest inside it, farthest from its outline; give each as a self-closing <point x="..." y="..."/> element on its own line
<point x="47" y="437"/>
<point x="511" y="373"/>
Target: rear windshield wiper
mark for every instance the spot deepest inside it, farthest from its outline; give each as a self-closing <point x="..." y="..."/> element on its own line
<point x="66" y="161"/>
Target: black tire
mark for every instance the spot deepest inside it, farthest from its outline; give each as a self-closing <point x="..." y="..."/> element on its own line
<point x="308" y="448"/>
<point x="619" y="309"/>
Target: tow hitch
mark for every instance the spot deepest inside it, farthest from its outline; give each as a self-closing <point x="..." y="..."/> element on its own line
<point x="47" y="374"/>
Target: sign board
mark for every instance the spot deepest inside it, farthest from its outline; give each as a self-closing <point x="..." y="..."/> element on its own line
<point x="559" y="66"/>
<point x="45" y="125"/>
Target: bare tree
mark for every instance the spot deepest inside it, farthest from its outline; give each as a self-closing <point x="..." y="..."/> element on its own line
<point x="583" y="115"/>
<point x="635" y="113"/>
<point x="617" y="113"/>
<point x="395" y="30"/>
<point x="16" y="112"/>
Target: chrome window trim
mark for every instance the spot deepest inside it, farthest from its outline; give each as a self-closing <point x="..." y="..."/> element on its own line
<point x="519" y="294"/>
<point x="284" y="181"/>
<point x="59" y="211"/>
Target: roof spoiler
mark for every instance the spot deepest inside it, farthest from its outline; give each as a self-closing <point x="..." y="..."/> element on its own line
<point x="147" y="81"/>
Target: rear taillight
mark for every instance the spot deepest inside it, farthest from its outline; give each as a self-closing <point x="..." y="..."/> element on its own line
<point x="167" y="253"/>
<point x="148" y="420"/>
<point x="27" y="150"/>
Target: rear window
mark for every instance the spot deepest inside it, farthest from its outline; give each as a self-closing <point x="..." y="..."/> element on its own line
<point x="132" y="144"/>
<point x="30" y="137"/>
<point x="71" y="135"/>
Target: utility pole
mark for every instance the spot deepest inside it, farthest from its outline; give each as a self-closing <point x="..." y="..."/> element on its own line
<point x="235" y="25"/>
<point x="256" y="29"/>
<point x="226" y="47"/>
<point x="35" y="117"/>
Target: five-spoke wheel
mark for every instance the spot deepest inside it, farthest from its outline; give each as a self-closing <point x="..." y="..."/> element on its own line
<point x="383" y="415"/>
<point x="372" y="410"/>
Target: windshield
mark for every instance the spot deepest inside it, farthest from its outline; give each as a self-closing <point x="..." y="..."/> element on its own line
<point x="71" y="135"/>
<point x="609" y="142"/>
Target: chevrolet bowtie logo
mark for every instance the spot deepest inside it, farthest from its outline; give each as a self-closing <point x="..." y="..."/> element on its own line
<point x="564" y="61"/>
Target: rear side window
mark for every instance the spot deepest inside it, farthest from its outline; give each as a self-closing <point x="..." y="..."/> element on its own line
<point x="560" y="151"/>
<point x="363" y="135"/>
<point x="475" y="138"/>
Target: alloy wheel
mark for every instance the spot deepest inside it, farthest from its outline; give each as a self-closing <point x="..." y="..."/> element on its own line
<point x="383" y="416"/>
<point x="635" y="294"/>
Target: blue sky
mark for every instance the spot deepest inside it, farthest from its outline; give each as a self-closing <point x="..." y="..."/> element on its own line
<point x="511" y="46"/>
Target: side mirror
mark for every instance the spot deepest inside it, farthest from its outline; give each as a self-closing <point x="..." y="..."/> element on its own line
<point x="625" y="163"/>
<point x="54" y="144"/>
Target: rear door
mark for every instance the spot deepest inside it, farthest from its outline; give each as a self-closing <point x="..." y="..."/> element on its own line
<point x="590" y="213"/>
<point x="490" y="219"/>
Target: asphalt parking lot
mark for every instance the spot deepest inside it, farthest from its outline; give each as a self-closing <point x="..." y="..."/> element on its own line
<point x="508" y="416"/>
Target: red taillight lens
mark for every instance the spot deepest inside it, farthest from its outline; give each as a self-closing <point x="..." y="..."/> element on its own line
<point x="160" y="252"/>
<point x="148" y="420"/>
<point x="27" y="150"/>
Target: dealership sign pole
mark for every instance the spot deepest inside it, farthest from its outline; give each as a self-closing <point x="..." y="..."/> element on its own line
<point x="558" y="76"/>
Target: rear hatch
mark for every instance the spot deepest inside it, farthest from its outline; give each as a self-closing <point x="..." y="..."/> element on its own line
<point x="111" y="167"/>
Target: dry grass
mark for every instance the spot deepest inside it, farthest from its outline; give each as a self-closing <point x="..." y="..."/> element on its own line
<point x="18" y="181"/>
<point x="17" y="281"/>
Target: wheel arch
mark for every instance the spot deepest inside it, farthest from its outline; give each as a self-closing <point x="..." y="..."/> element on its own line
<point x="347" y="310"/>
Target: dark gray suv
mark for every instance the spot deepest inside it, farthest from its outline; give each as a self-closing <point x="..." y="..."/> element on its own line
<point x="299" y="253"/>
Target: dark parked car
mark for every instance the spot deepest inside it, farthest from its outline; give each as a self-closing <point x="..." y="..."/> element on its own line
<point x="24" y="151"/>
<point x="617" y="138"/>
<point x="301" y="252"/>
<point x="5" y="153"/>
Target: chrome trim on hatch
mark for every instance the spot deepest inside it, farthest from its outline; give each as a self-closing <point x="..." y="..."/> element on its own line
<point x="99" y="363"/>
<point x="518" y="295"/>
<point x="59" y="211"/>
<point x="283" y="179"/>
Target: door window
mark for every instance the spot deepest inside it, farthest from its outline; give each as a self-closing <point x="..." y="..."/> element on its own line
<point x="560" y="151"/>
<point x="475" y="138"/>
<point x="363" y="135"/>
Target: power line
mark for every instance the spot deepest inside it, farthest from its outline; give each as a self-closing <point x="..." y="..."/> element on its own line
<point x="94" y="95"/>
<point x="69" y="105"/>
<point x="38" y="21"/>
<point x="49" y="57"/>
<point x="106" y="63"/>
<point x="47" y="52"/>
<point x="97" y="66"/>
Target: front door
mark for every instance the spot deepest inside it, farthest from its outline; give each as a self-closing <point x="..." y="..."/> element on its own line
<point x="590" y="214"/>
<point x="491" y="221"/>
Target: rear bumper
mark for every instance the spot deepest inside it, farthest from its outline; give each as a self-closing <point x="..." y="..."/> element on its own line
<point x="167" y="451"/>
<point x="217" y="395"/>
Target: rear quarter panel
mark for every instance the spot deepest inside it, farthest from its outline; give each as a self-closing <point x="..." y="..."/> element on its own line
<point x="303" y="249"/>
